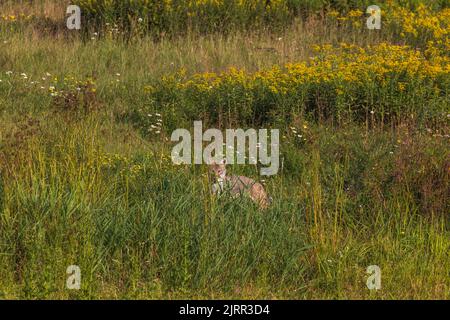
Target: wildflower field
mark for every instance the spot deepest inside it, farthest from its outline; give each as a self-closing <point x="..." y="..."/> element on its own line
<point x="86" y="176"/>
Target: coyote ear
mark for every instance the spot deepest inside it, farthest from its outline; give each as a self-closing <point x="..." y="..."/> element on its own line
<point x="223" y="161"/>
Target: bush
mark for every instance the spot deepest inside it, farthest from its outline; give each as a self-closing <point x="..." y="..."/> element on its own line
<point x="341" y="83"/>
<point x="156" y="17"/>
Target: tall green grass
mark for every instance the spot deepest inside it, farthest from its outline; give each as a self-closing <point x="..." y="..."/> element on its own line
<point x="139" y="227"/>
<point x="83" y="182"/>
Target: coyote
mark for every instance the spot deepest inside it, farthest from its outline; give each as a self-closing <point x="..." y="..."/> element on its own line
<point x="238" y="185"/>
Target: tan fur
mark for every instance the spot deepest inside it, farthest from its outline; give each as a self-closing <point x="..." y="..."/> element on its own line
<point x="239" y="185"/>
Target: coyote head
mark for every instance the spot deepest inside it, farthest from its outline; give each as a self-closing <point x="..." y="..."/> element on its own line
<point x="219" y="170"/>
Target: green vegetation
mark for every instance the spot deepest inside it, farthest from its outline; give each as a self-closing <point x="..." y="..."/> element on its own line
<point x="87" y="178"/>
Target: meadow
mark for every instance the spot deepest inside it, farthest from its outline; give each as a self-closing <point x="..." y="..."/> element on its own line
<point x="86" y="176"/>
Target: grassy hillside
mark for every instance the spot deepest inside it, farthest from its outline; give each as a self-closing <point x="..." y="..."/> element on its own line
<point x="87" y="178"/>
